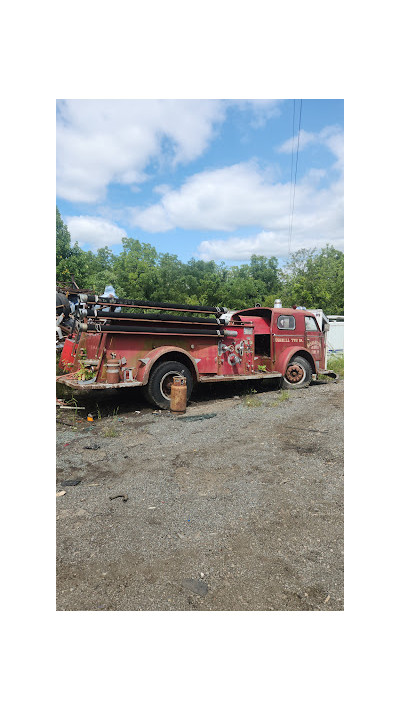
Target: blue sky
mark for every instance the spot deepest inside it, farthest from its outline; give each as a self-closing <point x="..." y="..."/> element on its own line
<point x="201" y="178"/>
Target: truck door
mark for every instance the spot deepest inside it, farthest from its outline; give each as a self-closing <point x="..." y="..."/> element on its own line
<point x="314" y="341"/>
<point x="288" y="331"/>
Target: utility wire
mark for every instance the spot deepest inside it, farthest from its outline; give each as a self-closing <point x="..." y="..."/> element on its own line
<point x="291" y="172"/>
<point x="295" y="176"/>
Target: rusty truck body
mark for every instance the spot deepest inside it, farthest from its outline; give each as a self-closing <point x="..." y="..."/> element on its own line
<point x="145" y="344"/>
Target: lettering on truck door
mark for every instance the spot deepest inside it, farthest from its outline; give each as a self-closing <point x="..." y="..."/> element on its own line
<point x="314" y="340"/>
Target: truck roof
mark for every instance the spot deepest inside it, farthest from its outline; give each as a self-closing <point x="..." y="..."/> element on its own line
<point x="259" y="310"/>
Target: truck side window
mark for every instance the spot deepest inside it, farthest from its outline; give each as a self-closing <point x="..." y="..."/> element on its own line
<point x="287" y="323"/>
<point x="311" y="324"/>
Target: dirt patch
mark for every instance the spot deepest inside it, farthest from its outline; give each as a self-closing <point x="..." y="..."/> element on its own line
<point x="246" y="507"/>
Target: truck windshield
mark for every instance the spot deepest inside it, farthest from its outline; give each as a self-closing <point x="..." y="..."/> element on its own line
<point x="311" y="324"/>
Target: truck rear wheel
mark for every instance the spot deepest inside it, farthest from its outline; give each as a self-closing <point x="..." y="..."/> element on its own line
<point x="298" y="374"/>
<point x="158" y="389"/>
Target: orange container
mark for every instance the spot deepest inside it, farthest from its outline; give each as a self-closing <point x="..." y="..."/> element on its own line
<point x="178" y="395"/>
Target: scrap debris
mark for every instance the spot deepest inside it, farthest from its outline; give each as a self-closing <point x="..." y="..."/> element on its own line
<point x="124" y="497"/>
<point x="63" y="405"/>
<point x="195" y="418"/>
<point x="70" y="407"/>
<point x="305" y="429"/>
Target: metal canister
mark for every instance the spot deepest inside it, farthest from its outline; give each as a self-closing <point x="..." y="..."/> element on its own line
<point x="112" y="372"/>
<point x="178" y="395"/>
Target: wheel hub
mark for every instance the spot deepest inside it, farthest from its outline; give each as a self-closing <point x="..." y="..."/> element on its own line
<point x="294" y="373"/>
<point x="165" y="385"/>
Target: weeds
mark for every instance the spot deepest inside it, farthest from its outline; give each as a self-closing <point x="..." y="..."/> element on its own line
<point x="336" y="363"/>
<point x="74" y="404"/>
<point x="111" y="431"/>
<point x="84" y="373"/>
<point x="250" y="391"/>
<point x="282" y="397"/>
<point x="252" y="402"/>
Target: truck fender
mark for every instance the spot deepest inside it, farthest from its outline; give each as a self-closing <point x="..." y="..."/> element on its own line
<point x="286" y="355"/>
<point x="144" y="368"/>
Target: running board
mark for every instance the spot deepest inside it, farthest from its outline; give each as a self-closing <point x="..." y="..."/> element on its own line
<point x="222" y="378"/>
<point x="89" y="385"/>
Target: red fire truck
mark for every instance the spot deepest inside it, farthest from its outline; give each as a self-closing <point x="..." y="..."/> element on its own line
<point x="122" y="343"/>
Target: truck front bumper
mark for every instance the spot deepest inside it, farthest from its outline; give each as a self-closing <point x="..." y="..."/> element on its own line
<point x="328" y="373"/>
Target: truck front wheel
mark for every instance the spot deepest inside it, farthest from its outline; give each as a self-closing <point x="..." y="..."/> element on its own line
<point x="158" y="389"/>
<point x="298" y="374"/>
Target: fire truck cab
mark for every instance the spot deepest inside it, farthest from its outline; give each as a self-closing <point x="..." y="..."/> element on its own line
<point x="285" y="340"/>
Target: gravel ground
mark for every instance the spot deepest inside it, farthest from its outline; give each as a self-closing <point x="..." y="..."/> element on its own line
<point x="239" y="511"/>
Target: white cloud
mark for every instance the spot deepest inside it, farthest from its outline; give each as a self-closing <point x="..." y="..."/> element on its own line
<point x="100" y="142"/>
<point x="331" y="137"/>
<point x="94" y="232"/>
<point x="104" y="141"/>
<point x="267" y="244"/>
<point x="291" y="143"/>
<point x="262" y="109"/>
<point x="161" y="189"/>
<point x="221" y="199"/>
<point x="244" y="195"/>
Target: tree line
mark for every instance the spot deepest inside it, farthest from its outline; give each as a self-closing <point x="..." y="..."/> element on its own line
<point x="311" y="278"/>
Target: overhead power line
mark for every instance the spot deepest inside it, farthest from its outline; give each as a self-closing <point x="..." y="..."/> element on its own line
<point x="291" y="170"/>
<point x="293" y="183"/>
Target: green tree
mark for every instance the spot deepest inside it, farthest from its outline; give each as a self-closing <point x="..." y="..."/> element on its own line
<point x="63" y="239"/>
<point x="135" y="268"/>
<point x="100" y="269"/>
<point x="309" y="278"/>
<point x="171" y="282"/>
<point x="315" y="279"/>
<point x="265" y="270"/>
<point x="71" y="262"/>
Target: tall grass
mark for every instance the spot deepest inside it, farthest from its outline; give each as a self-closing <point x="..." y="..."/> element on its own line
<point x="336" y="363"/>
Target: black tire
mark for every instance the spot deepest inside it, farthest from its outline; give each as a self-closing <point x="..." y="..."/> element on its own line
<point x="156" y="390"/>
<point x="62" y="305"/>
<point x="298" y="374"/>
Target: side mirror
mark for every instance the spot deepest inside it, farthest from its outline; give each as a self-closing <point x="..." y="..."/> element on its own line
<point x="326" y="326"/>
